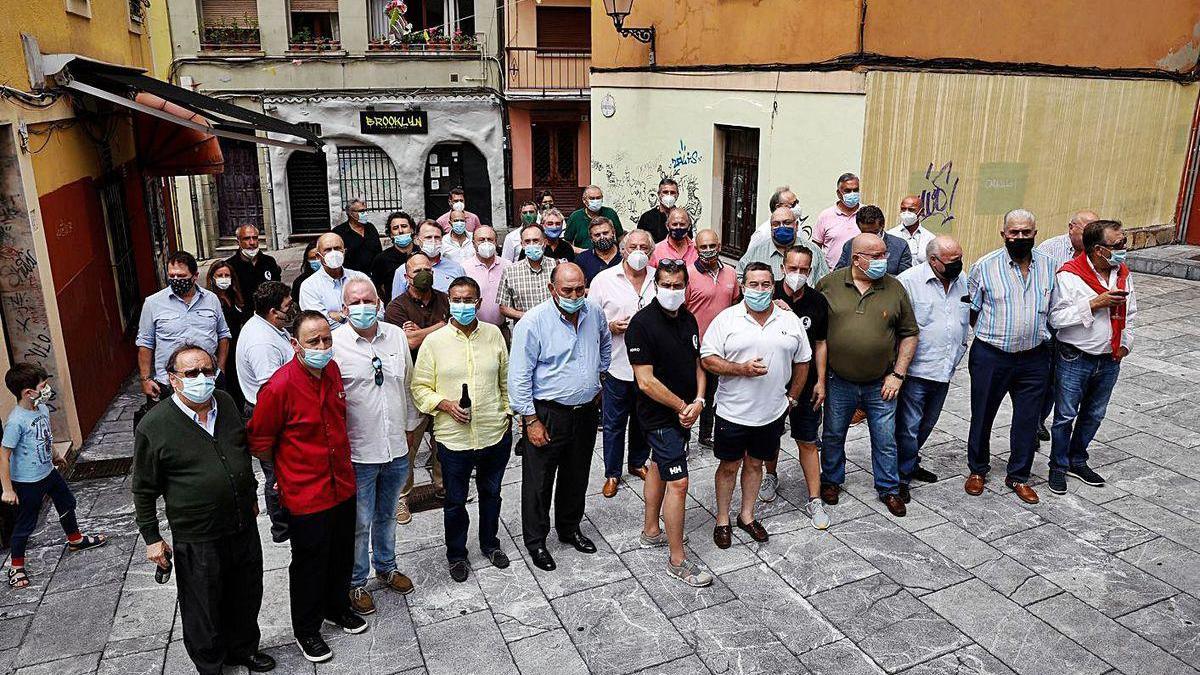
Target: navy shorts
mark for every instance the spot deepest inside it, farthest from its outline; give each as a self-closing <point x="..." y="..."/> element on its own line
<point x="805" y="422"/>
<point x="669" y="451"/>
<point x="733" y="441"/>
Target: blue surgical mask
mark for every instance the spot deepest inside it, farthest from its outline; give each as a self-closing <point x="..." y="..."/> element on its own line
<point x="876" y="269"/>
<point x="570" y="306"/>
<point x="554" y="232"/>
<point x="314" y="265"/>
<point x="363" y="316"/>
<point x="758" y="300"/>
<point x="458" y="227"/>
<point x="784" y="235"/>
<point x="463" y="312"/>
<point x="533" y="252"/>
<point x="317" y="358"/>
<point x="851" y="199"/>
<point x="594" y="205"/>
<point x="1118" y="257"/>
<point x="198" y="389"/>
<point x="402" y="240"/>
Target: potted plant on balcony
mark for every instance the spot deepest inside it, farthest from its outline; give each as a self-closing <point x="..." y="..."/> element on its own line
<point x="435" y="40"/>
<point x="302" y="40"/>
<point x="231" y="35"/>
<point x="463" y="42"/>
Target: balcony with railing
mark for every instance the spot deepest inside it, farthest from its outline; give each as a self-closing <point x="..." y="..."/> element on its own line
<point x="548" y="72"/>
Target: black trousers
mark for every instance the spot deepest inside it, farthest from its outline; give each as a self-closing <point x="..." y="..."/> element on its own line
<point x="278" y="514"/>
<point x="220" y="586"/>
<point x="322" y="560"/>
<point x="568" y="456"/>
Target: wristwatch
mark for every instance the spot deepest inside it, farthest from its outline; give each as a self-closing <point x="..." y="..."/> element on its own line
<point x="897" y="376"/>
<point x="700" y="400"/>
<point x="791" y="402"/>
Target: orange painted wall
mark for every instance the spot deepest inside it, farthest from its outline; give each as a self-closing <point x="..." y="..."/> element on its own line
<point x="522" y="140"/>
<point x="1105" y="33"/>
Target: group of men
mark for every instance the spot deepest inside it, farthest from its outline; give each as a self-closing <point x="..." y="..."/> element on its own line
<point x="575" y="325"/>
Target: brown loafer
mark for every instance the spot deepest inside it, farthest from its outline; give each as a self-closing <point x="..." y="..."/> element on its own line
<point x="895" y="505"/>
<point x="974" y="484"/>
<point x="1024" y="492"/>
<point x="859" y="417"/>
<point x="829" y="493"/>
<point x="754" y="529"/>
<point x="610" y="487"/>
<point x="723" y="536"/>
<point x="396" y="581"/>
<point x="639" y="471"/>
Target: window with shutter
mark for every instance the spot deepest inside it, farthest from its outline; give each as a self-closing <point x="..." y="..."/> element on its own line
<point x="566" y="29"/>
<point x="226" y="12"/>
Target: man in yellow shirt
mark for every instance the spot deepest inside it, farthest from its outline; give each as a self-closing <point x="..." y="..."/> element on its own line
<point x="461" y="378"/>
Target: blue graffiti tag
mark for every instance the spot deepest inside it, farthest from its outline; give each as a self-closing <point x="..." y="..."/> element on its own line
<point x="938" y="198"/>
<point x="684" y="156"/>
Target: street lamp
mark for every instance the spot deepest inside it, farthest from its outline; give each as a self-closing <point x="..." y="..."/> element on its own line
<point x="618" y="10"/>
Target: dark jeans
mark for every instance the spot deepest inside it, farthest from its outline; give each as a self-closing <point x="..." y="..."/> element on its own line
<point x="29" y="505"/>
<point x="488" y="464"/>
<point x="917" y="410"/>
<point x="1048" y="402"/>
<point x="220" y="592"/>
<point x="1085" y="383"/>
<point x="617" y="413"/>
<point x="709" y="415"/>
<point x="568" y="456"/>
<point x="1022" y="377"/>
<point x="275" y="509"/>
<point x="322" y="558"/>
<point x="842" y="397"/>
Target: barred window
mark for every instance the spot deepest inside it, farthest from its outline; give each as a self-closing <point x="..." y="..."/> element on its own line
<point x="367" y="172"/>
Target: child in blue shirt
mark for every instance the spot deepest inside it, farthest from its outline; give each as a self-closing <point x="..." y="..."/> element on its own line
<point x="27" y="472"/>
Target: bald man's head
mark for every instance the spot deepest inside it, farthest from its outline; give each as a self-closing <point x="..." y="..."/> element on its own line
<point x="332" y="251"/>
<point x="1078" y="222"/>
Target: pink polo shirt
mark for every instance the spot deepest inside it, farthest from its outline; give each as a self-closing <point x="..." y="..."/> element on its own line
<point x="665" y="250"/>
<point x="709" y="294"/>
<point x="833" y="230"/>
<point x="472" y="221"/>
<point x="488" y="278"/>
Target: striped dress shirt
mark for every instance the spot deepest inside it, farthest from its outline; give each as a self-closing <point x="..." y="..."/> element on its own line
<point x="1059" y="248"/>
<point x="1012" y="308"/>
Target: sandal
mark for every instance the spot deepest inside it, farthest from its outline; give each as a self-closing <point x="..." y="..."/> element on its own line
<point x="87" y="542"/>
<point x="17" y="577"/>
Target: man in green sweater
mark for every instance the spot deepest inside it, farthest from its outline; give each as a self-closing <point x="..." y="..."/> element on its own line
<point x="579" y="223"/>
<point x="194" y="454"/>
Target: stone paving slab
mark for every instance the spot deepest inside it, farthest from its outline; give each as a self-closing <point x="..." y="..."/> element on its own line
<point x="1101" y="580"/>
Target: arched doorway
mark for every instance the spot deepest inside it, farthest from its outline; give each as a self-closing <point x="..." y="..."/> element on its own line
<point x="308" y="192"/>
<point x="453" y="165"/>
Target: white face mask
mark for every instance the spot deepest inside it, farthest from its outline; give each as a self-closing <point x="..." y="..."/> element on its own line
<point x="671" y="299"/>
<point x="250" y="252"/>
<point x="795" y="280"/>
<point x="667" y="200"/>
<point x="431" y="248"/>
<point x="485" y="249"/>
<point x="334" y="259"/>
<point x="638" y="260"/>
<point x="798" y="212"/>
<point x="908" y="218"/>
<point x="224" y="283"/>
<point x="459" y="205"/>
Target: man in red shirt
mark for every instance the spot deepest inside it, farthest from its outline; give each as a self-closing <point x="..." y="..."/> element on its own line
<point x="300" y="424"/>
<point x="712" y="287"/>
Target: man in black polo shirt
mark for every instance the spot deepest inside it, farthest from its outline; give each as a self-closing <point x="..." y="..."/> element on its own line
<point x="400" y="228"/>
<point x="805" y="417"/>
<point x="663" y="343"/>
<point x="251" y="266"/>
<point x="654" y="221"/>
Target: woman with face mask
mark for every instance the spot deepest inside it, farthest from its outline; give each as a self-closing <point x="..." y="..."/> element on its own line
<point x="222" y="281"/>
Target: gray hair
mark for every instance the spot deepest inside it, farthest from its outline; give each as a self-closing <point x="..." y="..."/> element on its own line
<point x="673" y="209"/>
<point x="553" y="212"/>
<point x="936" y="246"/>
<point x="355" y="200"/>
<point x="1019" y="216"/>
<point x="355" y="283"/>
<point x="845" y="177"/>
<point x="645" y="233"/>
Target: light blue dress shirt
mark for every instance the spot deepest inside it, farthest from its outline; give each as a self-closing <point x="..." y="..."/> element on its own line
<point x="553" y="360"/>
<point x="169" y="323"/>
<point x="210" y="422"/>
<point x="322" y="293"/>
<point x="944" y="316"/>
<point x="1013" y="309"/>
<point x="445" y="271"/>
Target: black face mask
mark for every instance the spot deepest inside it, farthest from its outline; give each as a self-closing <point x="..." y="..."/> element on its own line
<point x="604" y="243"/>
<point x="951" y="270"/>
<point x="181" y="286"/>
<point x="1019" y="249"/>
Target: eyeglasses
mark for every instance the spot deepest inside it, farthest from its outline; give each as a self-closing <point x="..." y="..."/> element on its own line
<point x="378" y="366"/>
<point x="196" y="372"/>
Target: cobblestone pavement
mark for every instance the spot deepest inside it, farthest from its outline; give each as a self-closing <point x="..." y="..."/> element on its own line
<point x="1097" y="581"/>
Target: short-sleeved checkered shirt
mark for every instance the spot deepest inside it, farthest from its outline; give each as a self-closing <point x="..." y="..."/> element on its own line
<point x="522" y="287"/>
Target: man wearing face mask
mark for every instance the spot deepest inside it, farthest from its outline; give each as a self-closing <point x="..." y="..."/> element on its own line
<point x="870" y="221"/>
<point x="664" y="349"/>
<point x="300" y="424"/>
<point x="251" y="266"/>
<point x="712" y="288"/>
<point x="194" y="455"/>
<point x="785" y="233"/>
<point x="445" y="269"/>
<point x="182" y="313"/>
<point x="654" y="221"/>
<point x="581" y="219"/>
<point x="526" y="283"/>
<point x="620" y="292"/>
<point x="872" y="336"/>
<point x="530" y="215"/>
<point x="557" y="247"/>
<point x="383" y="268"/>
<point x="805" y="417"/>
<point x="838" y="224"/>
<point x="468" y="358"/>
<point x="1010" y="292"/>
<point x="937" y="291"/>
<point x="911" y="231"/>
<point x="678" y="245"/>
<point x="360" y="238"/>
<point x="458" y="244"/>
<point x="559" y="351"/>
<point x="487" y="268"/>
<point x="457" y="200"/>
<point x="604" y="252"/>
<point x="783" y="196"/>
<point x="381" y="423"/>
<point x="322" y="292"/>
<point x="1091" y="306"/>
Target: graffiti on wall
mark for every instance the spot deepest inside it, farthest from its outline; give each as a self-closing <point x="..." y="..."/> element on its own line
<point x="937" y="195"/>
<point x="631" y="187"/>
<point x="684" y="157"/>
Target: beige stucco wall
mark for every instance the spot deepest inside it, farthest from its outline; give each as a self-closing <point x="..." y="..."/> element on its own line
<point x="1052" y="145"/>
<point x="810" y="132"/>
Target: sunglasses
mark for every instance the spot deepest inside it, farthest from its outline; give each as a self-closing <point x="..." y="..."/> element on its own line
<point x="673" y="264"/>
<point x="196" y="372"/>
<point x="378" y="366"/>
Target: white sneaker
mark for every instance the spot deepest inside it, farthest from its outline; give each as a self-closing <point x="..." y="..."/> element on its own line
<point x="690" y="573"/>
<point x="769" y="489"/>
<point x="816" y="510"/>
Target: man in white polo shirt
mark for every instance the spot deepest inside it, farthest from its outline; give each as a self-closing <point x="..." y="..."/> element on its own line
<point x="761" y="354"/>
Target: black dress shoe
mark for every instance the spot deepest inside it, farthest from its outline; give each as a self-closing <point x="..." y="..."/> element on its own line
<point x="257" y="662"/>
<point x="924" y="475"/>
<point x="905" y="495"/>
<point x="580" y="542"/>
<point x="1043" y="433"/>
<point x="542" y="558"/>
